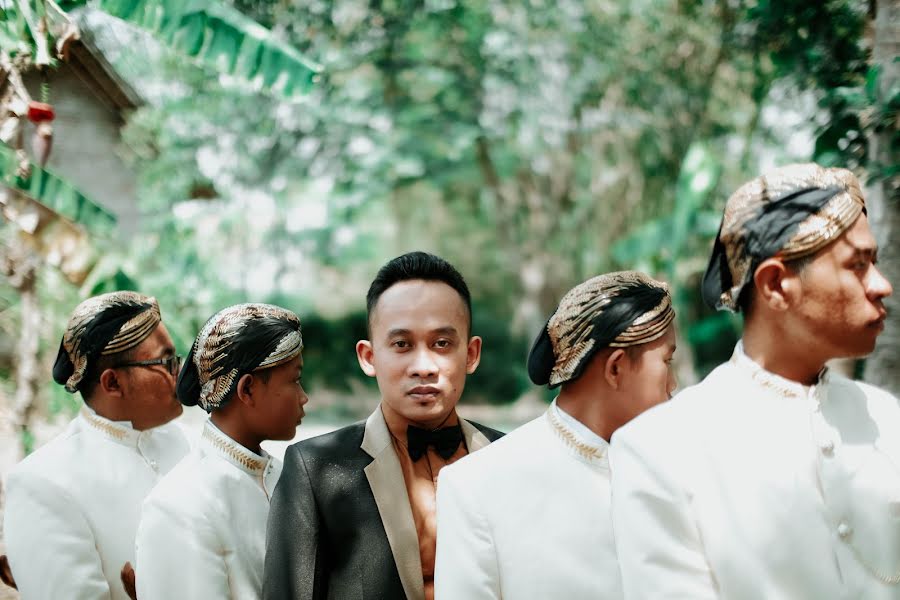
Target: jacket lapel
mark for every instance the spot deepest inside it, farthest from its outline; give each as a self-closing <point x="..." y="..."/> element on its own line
<point x="389" y="489"/>
<point x="475" y="440"/>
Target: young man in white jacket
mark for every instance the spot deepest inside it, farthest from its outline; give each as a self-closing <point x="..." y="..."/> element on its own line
<point x="203" y="528"/>
<point x="72" y="507"/>
<point x="774" y="477"/>
<point x="528" y="516"/>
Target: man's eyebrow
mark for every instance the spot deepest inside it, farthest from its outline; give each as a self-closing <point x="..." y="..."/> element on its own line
<point x="864" y="251"/>
<point x="447" y="330"/>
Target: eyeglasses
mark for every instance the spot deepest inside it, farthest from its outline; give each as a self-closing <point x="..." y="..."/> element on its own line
<point x="172" y="364"/>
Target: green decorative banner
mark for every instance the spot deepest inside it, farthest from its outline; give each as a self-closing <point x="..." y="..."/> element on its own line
<point x="56" y="194"/>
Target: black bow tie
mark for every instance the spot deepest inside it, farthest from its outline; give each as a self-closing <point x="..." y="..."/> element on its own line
<point x="445" y="441"/>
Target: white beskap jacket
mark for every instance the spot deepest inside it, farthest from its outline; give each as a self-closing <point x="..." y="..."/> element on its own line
<point x="751" y="486"/>
<point x="72" y="507"/>
<point x="203" y="529"/>
<point x="528" y="517"/>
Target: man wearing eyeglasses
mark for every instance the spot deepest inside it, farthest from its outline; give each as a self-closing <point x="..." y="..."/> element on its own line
<point x="72" y="507"/>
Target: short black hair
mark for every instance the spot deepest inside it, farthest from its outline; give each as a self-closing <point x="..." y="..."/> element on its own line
<point x="416" y="265"/>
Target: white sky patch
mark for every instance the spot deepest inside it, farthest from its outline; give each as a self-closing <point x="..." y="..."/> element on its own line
<point x="261" y="278"/>
<point x="261" y="209"/>
<point x="360" y="145"/>
<point x="309" y="210"/>
<point x="344" y="235"/>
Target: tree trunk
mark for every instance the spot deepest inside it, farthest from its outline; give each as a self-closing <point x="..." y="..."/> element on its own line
<point x="883" y="367"/>
<point x="21" y="267"/>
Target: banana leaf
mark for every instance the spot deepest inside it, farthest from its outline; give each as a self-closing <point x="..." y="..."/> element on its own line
<point x="222" y="38"/>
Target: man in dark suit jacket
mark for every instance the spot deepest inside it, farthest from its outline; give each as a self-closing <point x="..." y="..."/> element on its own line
<point x="353" y="515"/>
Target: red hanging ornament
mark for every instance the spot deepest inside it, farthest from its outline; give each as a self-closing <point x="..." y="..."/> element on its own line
<point x="38" y="112"/>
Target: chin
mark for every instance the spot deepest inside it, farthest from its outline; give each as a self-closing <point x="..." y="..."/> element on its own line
<point x="284" y="436"/>
<point x="426" y="411"/>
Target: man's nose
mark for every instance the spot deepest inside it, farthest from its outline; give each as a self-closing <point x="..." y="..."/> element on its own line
<point x="879" y="287"/>
<point x="423" y="364"/>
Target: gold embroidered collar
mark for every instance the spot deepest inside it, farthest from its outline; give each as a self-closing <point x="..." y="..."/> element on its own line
<point x="775" y="383"/>
<point x="234" y="452"/>
<point x="590" y="452"/>
<point x="110" y="429"/>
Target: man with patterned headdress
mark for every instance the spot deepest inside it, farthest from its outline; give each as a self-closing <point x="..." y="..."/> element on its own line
<point x="72" y="507"/>
<point x="203" y="528"/>
<point x="774" y="477"/>
<point x="528" y="516"/>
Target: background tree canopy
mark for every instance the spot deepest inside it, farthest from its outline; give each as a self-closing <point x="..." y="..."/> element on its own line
<point x="533" y="144"/>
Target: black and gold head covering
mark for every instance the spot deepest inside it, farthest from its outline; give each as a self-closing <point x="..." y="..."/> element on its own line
<point x="237" y="340"/>
<point x="615" y="310"/>
<point x="790" y="212"/>
<point x="100" y="326"/>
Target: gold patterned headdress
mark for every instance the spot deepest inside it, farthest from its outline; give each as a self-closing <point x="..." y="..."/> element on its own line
<point x="790" y="212"/>
<point x="237" y="340"/>
<point x="615" y="310"/>
<point x="100" y="326"/>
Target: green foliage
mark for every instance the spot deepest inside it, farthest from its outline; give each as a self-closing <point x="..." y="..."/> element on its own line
<point x="668" y="244"/>
<point x="531" y="144"/>
<point x="222" y="38"/>
<point x="27" y="440"/>
<point x="329" y="354"/>
<point x="501" y="376"/>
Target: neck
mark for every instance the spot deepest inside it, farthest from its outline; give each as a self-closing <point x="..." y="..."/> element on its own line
<point x="590" y="409"/>
<point x="234" y="429"/>
<point x="773" y="349"/>
<point x="397" y="423"/>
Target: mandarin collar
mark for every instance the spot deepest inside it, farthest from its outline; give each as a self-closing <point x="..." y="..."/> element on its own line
<point x="577" y="437"/>
<point x="118" y="431"/>
<point x="780" y="385"/>
<point x="215" y="441"/>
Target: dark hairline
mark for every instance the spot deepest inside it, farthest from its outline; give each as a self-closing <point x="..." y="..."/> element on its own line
<point x="370" y="312"/>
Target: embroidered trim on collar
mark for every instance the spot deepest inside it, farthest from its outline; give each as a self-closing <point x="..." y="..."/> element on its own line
<point x="228" y="447"/>
<point x="766" y="379"/>
<point x="586" y="450"/>
<point x="104" y="425"/>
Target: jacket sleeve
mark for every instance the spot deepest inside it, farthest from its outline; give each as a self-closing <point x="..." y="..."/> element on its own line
<point x="660" y="550"/>
<point x="178" y="554"/>
<point x="294" y="566"/>
<point x="51" y="546"/>
<point x="466" y="562"/>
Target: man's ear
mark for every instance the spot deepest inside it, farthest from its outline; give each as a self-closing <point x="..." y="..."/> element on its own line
<point x="365" y="355"/>
<point x="473" y="354"/>
<point x="614" y="366"/>
<point x="244" y="390"/>
<point x="774" y="284"/>
<point x="110" y="383"/>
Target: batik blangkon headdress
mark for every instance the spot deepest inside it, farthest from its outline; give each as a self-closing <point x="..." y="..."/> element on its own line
<point x="100" y="326"/>
<point x="616" y="310"/>
<point x="235" y="341"/>
<point x="789" y="213"/>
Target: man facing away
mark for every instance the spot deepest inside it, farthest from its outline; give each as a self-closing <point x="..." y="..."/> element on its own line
<point x="774" y="477"/>
<point x="203" y="528"/>
<point x="353" y="514"/>
<point x="528" y="517"/>
<point x="72" y="507"/>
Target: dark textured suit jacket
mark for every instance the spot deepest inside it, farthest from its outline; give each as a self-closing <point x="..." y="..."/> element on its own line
<point x="340" y="523"/>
